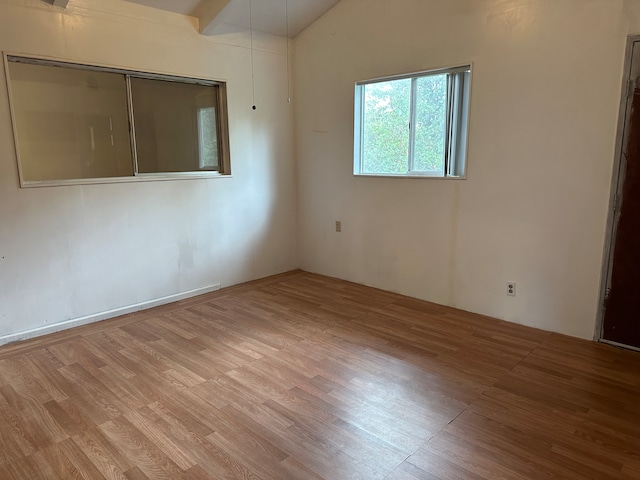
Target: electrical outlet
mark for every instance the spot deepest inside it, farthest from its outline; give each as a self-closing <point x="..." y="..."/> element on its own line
<point x="511" y="289"/>
<point x="338" y="226"/>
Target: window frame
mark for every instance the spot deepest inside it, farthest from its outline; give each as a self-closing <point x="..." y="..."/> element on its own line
<point x="459" y="101"/>
<point x="222" y="123"/>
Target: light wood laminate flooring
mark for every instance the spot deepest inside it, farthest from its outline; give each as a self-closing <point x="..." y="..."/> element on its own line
<point x="301" y="376"/>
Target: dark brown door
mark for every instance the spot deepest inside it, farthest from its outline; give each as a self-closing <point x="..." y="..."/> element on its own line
<point x="622" y="305"/>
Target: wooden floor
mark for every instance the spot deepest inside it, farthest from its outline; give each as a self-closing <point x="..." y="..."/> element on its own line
<point x="304" y="377"/>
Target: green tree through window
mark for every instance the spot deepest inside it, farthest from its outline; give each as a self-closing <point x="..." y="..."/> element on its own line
<point x="414" y="125"/>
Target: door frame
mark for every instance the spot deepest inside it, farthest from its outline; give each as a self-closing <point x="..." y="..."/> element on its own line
<point x="615" y="195"/>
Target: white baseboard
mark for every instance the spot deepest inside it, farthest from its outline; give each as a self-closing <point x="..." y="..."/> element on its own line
<point x="96" y="317"/>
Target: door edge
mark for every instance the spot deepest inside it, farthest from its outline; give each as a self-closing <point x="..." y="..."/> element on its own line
<point x="617" y="178"/>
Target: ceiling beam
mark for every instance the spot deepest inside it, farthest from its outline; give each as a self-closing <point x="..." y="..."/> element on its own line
<point x="210" y="14"/>
<point x="60" y="3"/>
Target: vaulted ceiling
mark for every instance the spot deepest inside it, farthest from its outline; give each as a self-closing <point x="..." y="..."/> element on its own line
<point x="218" y="17"/>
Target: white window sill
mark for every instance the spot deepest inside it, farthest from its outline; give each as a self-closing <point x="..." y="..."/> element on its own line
<point x="143" y="177"/>
<point x="408" y="175"/>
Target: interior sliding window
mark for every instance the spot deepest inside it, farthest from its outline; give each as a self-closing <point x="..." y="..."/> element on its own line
<point x="70" y="123"/>
<point x="413" y="125"/>
<point x="176" y="127"/>
<point x="82" y="124"/>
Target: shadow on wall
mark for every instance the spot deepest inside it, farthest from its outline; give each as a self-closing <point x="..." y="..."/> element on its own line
<point x="268" y="200"/>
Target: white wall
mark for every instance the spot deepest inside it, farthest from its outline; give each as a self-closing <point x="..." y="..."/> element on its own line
<point x="547" y="76"/>
<point x="71" y="252"/>
<point x="545" y="100"/>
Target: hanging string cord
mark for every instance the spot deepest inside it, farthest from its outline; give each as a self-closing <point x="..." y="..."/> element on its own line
<point x="253" y="81"/>
<point x="286" y="16"/>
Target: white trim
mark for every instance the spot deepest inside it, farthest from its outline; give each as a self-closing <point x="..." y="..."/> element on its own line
<point x="409" y="175"/>
<point x="358" y="133"/>
<point x="121" y="68"/>
<point x="422" y="73"/>
<point x="54" y="62"/>
<point x="412" y="125"/>
<point x="96" y="317"/>
<point x="13" y="117"/>
<point x="141" y="177"/>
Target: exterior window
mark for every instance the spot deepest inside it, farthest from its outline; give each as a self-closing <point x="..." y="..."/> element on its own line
<point x="413" y="125"/>
<point x="207" y="144"/>
<point x="80" y="124"/>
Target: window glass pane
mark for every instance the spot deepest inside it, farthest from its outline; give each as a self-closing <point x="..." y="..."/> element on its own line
<point x="430" y="124"/>
<point x="70" y="123"/>
<point x="386" y="114"/>
<point x="175" y="126"/>
<point x="207" y="142"/>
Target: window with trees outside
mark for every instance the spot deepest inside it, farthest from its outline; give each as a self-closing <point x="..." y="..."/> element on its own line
<point x="413" y="125"/>
<point x="76" y="124"/>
